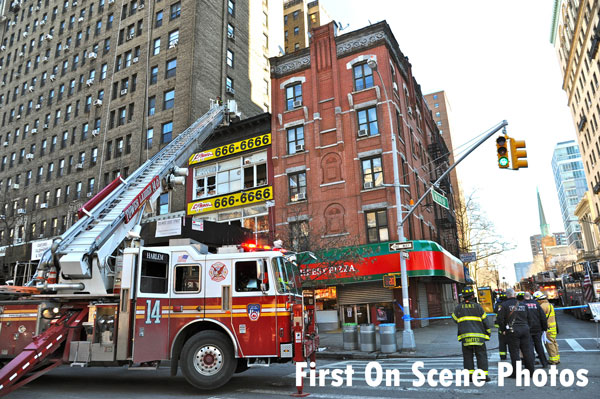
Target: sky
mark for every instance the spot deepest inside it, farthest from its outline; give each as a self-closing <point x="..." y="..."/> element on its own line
<point x="495" y="61"/>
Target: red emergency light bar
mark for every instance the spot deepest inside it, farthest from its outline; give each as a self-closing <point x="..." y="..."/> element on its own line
<point x="253" y="247"/>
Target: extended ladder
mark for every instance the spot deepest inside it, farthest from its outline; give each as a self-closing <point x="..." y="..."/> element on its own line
<point x="83" y="250"/>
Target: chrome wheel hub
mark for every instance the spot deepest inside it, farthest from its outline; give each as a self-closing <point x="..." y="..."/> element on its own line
<point x="208" y="360"/>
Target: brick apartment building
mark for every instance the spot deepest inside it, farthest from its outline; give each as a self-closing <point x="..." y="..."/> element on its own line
<point x="92" y="89"/>
<point x="332" y="151"/>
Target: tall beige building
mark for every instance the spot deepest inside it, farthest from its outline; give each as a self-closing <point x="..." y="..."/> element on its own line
<point x="299" y="17"/>
<point x="90" y="90"/>
<point x="575" y="34"/>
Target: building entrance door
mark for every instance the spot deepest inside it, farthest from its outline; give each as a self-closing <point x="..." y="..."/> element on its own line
<point x="362" y="314"/>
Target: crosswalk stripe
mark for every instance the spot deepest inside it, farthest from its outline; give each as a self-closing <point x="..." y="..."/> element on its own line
<point x="575" y="345"/>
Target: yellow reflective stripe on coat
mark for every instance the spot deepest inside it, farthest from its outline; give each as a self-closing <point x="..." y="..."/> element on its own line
<point x="473" y="335"/>
<point x="483" y="316"/>
<point x="454" y="317"/>
<point x="468" y="318"/>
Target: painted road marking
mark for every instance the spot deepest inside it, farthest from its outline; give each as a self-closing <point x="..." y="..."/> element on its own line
<point x="575" y="345"/>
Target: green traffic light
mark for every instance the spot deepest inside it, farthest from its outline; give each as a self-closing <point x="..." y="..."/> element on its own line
<point x="503" y="161"/>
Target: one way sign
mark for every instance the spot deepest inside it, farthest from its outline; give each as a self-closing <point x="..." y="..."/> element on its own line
<point x="400" y="246"/>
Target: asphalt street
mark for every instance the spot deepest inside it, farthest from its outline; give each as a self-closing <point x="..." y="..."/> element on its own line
<point x="579" y="350"/>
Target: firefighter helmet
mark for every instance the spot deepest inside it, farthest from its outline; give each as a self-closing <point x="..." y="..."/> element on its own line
<point x="467" y="292"/>
<point x="502" y="295"/>
<point x="539" y="295"/>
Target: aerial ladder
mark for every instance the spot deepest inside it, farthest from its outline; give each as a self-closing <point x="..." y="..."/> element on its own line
<point x="77" y="268"/>
<point x="83" y="253"/>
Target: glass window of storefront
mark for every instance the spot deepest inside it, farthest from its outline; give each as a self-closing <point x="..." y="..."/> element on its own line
<point x="255" y="218"/>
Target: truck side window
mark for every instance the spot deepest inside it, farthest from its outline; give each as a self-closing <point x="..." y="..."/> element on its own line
<point x="187" y="278"/>
<point x="154" y="277"/>
<point x="246" y="277"/>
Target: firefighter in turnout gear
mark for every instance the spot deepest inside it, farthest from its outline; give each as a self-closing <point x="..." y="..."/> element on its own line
<point x="502" y="339"/>
<point x="513" y="321"/>
<point x="538" y="325"/>
<point x="551" y="344"/>
<point x="473" y="331"/>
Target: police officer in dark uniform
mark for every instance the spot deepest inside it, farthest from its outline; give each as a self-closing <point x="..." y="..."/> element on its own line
<point x="513" y="321"/>
<point x="473" y="331"/>
<point x="539" y="323"/>
<point x="502" y="339"/>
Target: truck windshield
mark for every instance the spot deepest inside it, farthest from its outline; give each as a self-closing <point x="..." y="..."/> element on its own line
<point x="287" y="276"/>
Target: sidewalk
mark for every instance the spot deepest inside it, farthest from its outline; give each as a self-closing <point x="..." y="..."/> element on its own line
<point x="439" y="339"/>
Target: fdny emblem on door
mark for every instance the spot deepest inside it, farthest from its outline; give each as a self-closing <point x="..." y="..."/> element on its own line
<point x="218" y="272"/>
<point x="253" y="311"/>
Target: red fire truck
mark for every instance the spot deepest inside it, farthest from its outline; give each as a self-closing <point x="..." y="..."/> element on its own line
<point x="101" y="298"/>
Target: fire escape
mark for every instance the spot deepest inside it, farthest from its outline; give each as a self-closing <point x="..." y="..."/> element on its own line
<point x="445" y="219"/>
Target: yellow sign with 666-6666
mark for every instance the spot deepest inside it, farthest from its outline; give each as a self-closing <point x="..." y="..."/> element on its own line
<point x="233" y="148"/>
<point x="230" y="200"/>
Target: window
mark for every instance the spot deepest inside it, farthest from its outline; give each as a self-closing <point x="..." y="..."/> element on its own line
<point x="109" y="21"/>
<point x="154" y="74"/>
<point x="154" y="275"/>
<point x="171" y="69"/>
<point x="187" y="278"/>
<point x="372" y="172"/>
<point x="175" y="10"/>
<point x="151" y="106"/>
<point x="295" y="139"/>
<point x="169" y="99"/>
<point x="229" y="178"/>
<point x="149" y="137"/>
<point x="246" y="277"/>
<point x="156" y="48"/>
<point x="296" y="31"/>
<point x="377" y="228"/>
<point x="230" y="31"/>
<point x="293" y="94"/>
<point x="173" y="38"/>
<point x="103" y="71"/>
<point x="231" y="7"/>
<point x="363" y="77"/>
<point x="167" y="132"/>
<point x="229" y="84"/>
<point x="158" y="20"/>
<point x="206" y="185"/>
<point x="229" y="58"/>
<point x="163" y="204"/>
<point x="367" y="121"/>
<point x="297" y="186"/>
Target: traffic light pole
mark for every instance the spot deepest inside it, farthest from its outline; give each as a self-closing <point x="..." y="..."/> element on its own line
<point x="493" y="131"/>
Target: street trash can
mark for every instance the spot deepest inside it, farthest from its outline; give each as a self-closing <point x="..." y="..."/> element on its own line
<point x="387" y="333"/>
<point x="350" y="336"/>
<point x="367" y="338"/>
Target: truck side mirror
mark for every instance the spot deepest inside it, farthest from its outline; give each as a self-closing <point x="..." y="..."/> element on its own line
<point x="261" y="270"/>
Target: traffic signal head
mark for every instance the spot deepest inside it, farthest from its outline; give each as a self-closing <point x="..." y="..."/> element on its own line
<point x="502" y="147"/>
<point x="518" y="154"/>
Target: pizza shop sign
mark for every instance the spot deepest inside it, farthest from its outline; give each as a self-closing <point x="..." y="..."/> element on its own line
<point x="310" y="272"/>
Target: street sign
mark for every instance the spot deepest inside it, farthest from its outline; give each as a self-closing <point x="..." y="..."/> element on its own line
<point x="400" y="246"/>
<point x="439" y="199"/>
<point x="389" y="281"/>
<point x="468" y="257"/>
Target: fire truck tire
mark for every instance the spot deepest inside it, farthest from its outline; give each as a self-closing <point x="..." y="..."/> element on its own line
<point x="207" y="360"/>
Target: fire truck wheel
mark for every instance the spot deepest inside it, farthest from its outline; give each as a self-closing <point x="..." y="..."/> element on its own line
<point x="207" y="360"/>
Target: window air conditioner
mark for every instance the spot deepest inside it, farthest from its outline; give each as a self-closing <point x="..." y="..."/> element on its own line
<point x="89" y="82"/>
<point x="229" y="90"/>
<point x="297" y="103"/>
<point x="74" y="3"/>
<point x="43" y="206"/>
<point x="38" y="106"/>
<point x="42" y="22"/>
<point x="29" y="156"/>
<point x="98" y="103"/>
<point x="80" y="19"/>
<point x="21" y="54"/>
<point x="368" y="184"/>
<point x="49" y="36"/>
<point x="45" y="59"/>
<point x="3" y="48"/>
<point x="230" y="35"/>
<point x="395" y="85"/>
<point x="20" y="211"/>
<point x="410" y="110"/>
<point x="66" y="47"/>
<point x="31" y="89"/>
<point x="129" y="37"/>
<point x="135" y="60"/>
<point x="18" y="116"/>
<point x="123" y="92"/>
<point x="34" y="130"/>
<point x="18" y="240"/>
<point x="95" y="132"/>
<point x="92" y="55"/>
<point x="299" y="147"/>
<point x="79" y="166"/>
<point x="15" y="186"/>
<point x="52" y="77"/>
<point x="141" y="7"/>
<point x="111" y="2"/>
<point x="6" y="144"/>
<point x="3" y="83"/>
<point x="89" y="195"/>
<point x="45" y="126"/>
<point x="300" y="196"/>
<point x="17" y="76"/>
<point x="173" y="43"/>
<point x="25" y="34"/>
<point x="363" y="133"/>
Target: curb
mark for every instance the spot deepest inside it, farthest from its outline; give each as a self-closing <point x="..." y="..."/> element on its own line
<point x="344" y="355"/>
